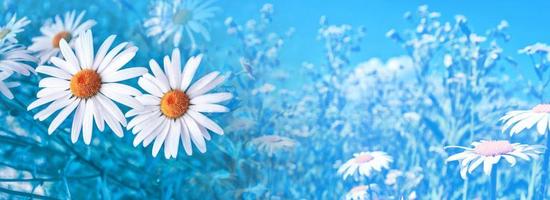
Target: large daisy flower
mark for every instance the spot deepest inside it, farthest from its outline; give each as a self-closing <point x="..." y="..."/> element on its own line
<point x="178" y="17"/>
<point x="362" y="164"/>
<point x="12" y="28"/>
<point x="173" y="108"/>
<point x="68" y="28"/>
<point x="489" y="153"/>
<point x="13" y="58"/>
<point x="88" y="84"/>
<point x="520" y="120"/>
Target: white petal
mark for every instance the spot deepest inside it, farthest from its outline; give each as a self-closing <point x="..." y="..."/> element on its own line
<point x="121" y="75"/>
<point x="212" y="98"/>
<point x="62" y="115"/>
<point x="88" y="122"/>
<point x="195" y="133"/>
<point x="189" y="71"/>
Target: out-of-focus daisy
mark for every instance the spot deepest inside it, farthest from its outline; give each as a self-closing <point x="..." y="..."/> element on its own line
<point x="360" y="192"/>
<point x="12" y="28"/>
<point x="520" y="120"/>
<point x="173" y="108"/>
<point x="13" y="58"/>
<point x="5" y="86"/>
<point x="489" y="153"/>
<point x="68" y="28"/>
<point x="178" y="17"/>
<point x="88" y="84"/>
<point x="271" y="144"/>
<point x="363" y="163"/>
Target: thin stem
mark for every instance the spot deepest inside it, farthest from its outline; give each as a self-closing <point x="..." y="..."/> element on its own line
<point x="465" y="189"/>
<point x="368" y="188"/>
<point x="24" y="194"/>
<point x="493" y="189"/>
<point x="544" y="177"/>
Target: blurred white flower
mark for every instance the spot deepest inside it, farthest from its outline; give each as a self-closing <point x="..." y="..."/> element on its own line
<point x="69" y="27"/>
<point x="364" y="163"/>
<point x="271" y="144"/>
<point x="179" y="17"/>
<point x="264" y="89"/>
<point x="9" y="31"/>
<point x="13" y="59"/>
<point x="520" y="120"/>
<point x="359" y="192"/>
<point x="447" y="60"/>
<point x="489" y="153"/>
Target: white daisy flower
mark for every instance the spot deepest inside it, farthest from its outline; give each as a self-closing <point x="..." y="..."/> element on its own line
<point x="13" y="58"/>
<point x="88" y="84"/>
<point x="178" y="17"/>
<point x="520" y="120"/>
<point x="271" y="144"/>
<point x="12" y="28"/>
<point x="489" y="153"/>
<point x="68" y="28"/>
<point x="5" y="86"/>
<point x="362" y="164"/>
<point x="359" y="192"/>
<point x="172" y="109"/>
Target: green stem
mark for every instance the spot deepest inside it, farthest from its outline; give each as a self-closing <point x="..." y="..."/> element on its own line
<point x="493" y="189"/>
<point x="544" y="177"/>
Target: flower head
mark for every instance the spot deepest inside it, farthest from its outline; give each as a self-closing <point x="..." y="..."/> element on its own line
<point x="363" y="163"/>
<point x="68" y="28"/>
<point x="12" y="28"/>
<point x="172" y="109"/>
<point x="520" y="120"/>
<point x="88" y="84"/>
<point x="176" y="18"/>
<point x="13" y="59"/>
<point x="489" y="153"/>
<point x="271" y="144"/>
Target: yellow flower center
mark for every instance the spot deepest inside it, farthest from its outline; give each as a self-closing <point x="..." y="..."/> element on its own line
<point x="174" y="104"/>
<point x="85" y="84"/>
<point x="4" y="32"/>
<point x="61" y="35"/>
<point x="182" y="16"/>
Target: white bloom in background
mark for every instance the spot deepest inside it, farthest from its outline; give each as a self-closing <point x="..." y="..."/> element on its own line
<point x="364" y="163"/>
<point x="68" y="28"/>
<point x="178" y="17"/>
<point x="520" y="120"/>
<point x="12" y="28"/>
<point x="13" y="59"/>
<point x="490" y="152"/>
<point x="88" y="84"/>
<point x="447" y="60"/>
<point x="264" y="89"/>
<point x="271" y="144"/>
<point x="358" y="193"/>
<point x="172" y="109"/>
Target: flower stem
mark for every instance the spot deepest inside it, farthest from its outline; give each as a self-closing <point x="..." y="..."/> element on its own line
<point x="544" y="177"/>
<point x="368" y="187"/>
<point x="493" y="189"/>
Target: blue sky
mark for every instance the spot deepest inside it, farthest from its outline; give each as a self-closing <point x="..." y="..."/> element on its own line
<point x="528" y="21"/>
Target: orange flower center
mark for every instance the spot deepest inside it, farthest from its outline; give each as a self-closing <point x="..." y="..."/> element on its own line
<point x="85" y="84"/>
<point x="174" y="104"/>
<point x="363" y="158"/>
<point x="493" y="148"/>
<point x="61" y="35"/>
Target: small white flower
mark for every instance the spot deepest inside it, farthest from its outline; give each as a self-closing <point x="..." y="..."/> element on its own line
<point x="12" y="28"/>
<point x="358" y="193"/>
<point x="172" y="109"/>
<point x="363" y="163"/>
<point x="271" y="144"/>
<point x="520" y="120"/>
<point x="88" y="84"/>
<point x="447" y="60"/>
<point x="13" y="59"/>
<point x="489" y="153"/>
<point x="178" y="17"/>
